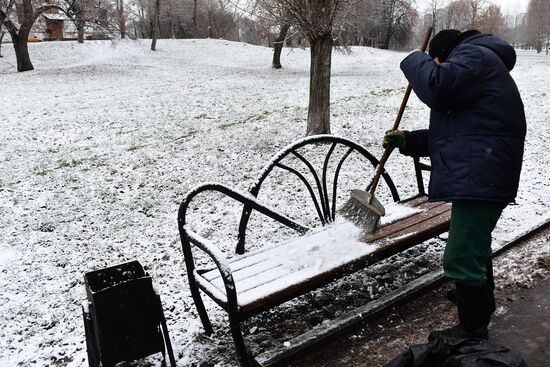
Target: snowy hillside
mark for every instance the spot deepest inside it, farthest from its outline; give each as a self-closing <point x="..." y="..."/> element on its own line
<point x="101" y="142"/>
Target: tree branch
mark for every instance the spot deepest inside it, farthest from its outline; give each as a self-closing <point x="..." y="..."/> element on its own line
<point x="4" y="19"/>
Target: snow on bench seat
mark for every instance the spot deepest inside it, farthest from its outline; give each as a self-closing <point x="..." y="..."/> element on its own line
<point x="275" y="274"/>
<point x="263" y="273"/>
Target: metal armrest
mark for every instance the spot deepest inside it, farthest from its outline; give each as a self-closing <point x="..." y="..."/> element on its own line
<point x="221" y="263"/>
<point x="244" y="198"/>
<point x="187" y="237"/>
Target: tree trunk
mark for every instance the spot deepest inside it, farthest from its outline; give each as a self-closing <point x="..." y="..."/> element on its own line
<point x="154" y="25"/>
<point x="1" y="38"/>
<point x="80" y="33"/>
<point x="121" y="19"/>
<point x="142" y="21"/>
<point x="195" y="18"/>
<point x="318" y="118"/>
<point x="172" y="21"/>
<point x="80" y="22"/>
<point x="135" y="29"/>
<point x="209" y="20"/>
<point x="387" y="37"/>
<point x="278" y="47"/>
<point x="151" y="19"/>
<point x="20" y="44"/>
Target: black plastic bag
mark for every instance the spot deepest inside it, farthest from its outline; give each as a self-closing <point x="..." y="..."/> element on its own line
<point x="451" y="352"/>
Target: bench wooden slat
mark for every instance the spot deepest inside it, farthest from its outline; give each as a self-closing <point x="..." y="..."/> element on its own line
<point x="421" y="205"/>
<point x="240" y="262"/>
<point x="277" y="273"/>
<point x="262" y="279"/>
<point x="384" y="231"/>
<point x="243" y="262"/>
<point x="256" y="277"/>
<point x="238" y="266"/>
<point x="399" y="242"/>
<point x="425" y="230"/>
<point x="299" y="259"/>
<point x="415" y="201"/>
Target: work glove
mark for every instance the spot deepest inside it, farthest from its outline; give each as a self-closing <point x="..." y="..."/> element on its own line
<point x="394" y="139"/>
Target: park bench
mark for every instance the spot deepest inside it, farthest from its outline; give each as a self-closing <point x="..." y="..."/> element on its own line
<point x="251" y="282"/>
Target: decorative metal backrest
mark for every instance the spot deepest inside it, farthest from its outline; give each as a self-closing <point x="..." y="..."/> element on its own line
<point x="322" y="196"/>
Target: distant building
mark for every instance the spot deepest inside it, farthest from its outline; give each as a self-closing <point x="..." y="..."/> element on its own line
<point x="54" y="25"/>
<point x="521" y="20"/>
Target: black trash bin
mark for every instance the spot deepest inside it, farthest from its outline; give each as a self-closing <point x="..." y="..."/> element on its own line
<point x="123" y="316"/>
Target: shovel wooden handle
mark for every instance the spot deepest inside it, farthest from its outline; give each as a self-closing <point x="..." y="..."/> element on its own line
<point x="388" y="150"/>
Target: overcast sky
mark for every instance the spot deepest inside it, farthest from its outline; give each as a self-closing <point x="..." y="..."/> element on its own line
<point x="507" y="6"/>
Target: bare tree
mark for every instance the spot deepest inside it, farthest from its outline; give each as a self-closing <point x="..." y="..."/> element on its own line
<point x="475" y="7"/>
<point x="228" y="18"/>
<point x="468" y="14"/>
<point x="278" y="46"/>
<point x="362" y="23"/>
<point x="154" y="13"/>
<point x="215" y="19"/>
<point x="121" y="18"/>
<point x="19" y="27"/>
<point x="315" y="19"/>
<point x="172" y="22"/>
<point x="378" y="23"/>
<point x="538" y="23"/>
<point x="195" y="18"/>
<point x="1" y="38"/>
<point x="267" y="12"/>
<point x="435" y="8"/>
<point x="394" y="13"/>
<point x="80" y="19"/>
<point x="492" y="21"/>
<point x="405" y="20"/>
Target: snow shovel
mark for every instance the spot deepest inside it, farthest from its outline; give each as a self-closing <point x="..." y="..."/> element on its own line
<point x="362" y="208"/>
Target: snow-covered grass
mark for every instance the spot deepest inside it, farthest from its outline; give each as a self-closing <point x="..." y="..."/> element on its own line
<point x="101" y="142"/>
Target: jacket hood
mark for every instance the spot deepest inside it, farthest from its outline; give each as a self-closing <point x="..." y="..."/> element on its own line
<point x="504" y="50"/>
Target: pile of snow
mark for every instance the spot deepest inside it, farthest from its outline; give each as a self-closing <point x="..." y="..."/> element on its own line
<point x="101" y="142"/>
<point x="395" y="212"/>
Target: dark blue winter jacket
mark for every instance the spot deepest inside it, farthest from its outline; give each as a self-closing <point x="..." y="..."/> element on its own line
<point x="477" y="122"/>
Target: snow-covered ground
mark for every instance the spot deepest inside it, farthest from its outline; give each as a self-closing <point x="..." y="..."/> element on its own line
<point x="101" y="142"/>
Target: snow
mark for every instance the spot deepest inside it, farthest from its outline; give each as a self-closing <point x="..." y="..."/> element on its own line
<point x="395" y="211"/>
<point x="6" y="255"/>
<point x="296" y="261"/>
<point x="102" y="141"/>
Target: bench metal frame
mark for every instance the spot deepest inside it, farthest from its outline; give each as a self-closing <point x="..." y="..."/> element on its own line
<point x="323" y="200"/>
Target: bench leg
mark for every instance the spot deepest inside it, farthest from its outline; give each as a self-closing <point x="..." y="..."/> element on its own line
<point x="195" y="292"/>
<point x="239" y="341"/>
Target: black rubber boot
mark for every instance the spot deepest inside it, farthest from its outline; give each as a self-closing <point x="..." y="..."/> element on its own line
<point x="451" y="294"/>
<point x="474" y="313"/>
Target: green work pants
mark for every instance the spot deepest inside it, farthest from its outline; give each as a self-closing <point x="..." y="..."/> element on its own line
<point x="469" y="243"/>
